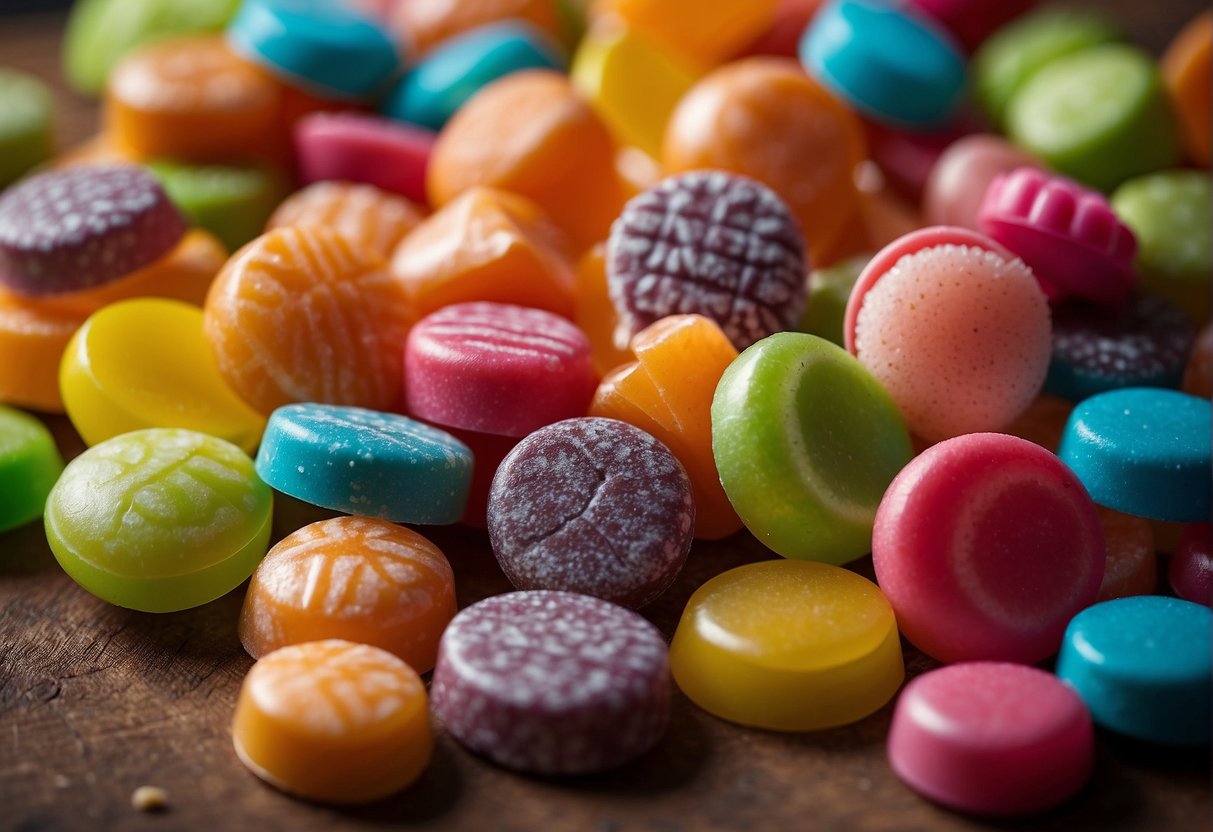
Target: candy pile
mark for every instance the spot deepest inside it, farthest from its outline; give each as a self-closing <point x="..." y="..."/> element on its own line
<point x="927" y="280"/>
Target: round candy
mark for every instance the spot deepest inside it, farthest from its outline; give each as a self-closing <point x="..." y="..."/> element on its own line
<point x="992" y="738"/>
<point x="74" y="229"/>
<point x="159" y="520"/>
<point x="806" y="441"/>
<point x="305" y="588"/>
<point x="1185" y="70"/>
<point x="593" y="506"/>
<point x="231" y="202"/>
<point x="1191" y="570"/>
<point x="369" y="217"/>
<point x="26" y="113"/>
<point x="552" y="682"/>
<point x="1144" y="451"/>
<point x="788" y="646"/>
<point x="29" y="466"/>
<point x="333" y="721"/>
<point x="957" y="183"/>
<point x="712" y="243"/>
<point x="366" y="462"/>
<point x="356" y="147"/>
<point x="986" y="545"/>
<point x="1143" y="667"/>
<point x="1131" y="564"/>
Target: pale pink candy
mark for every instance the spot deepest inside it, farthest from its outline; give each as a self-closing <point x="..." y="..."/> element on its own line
<point x="957" y="183"/>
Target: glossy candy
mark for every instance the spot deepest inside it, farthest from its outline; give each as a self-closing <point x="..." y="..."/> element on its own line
<point x="353" y="578"/>
<point x="788" y="646"/>
<point x="704" y="31"/>
<point x="552" y="682"/>
<point x="986" y="545"/>
<point x="422" y="26"/>
<point x="231" y="202"/>
<point x="593" y="506"/>
<point x="333" y="721"/>
<point x="956" y="185"/>
<point x="1131" y="566"/>
<point x="159" y="520"/>
<point x="29" y="466"/>
<point x="369" y="217"/>
<point x="1191" y="570"/>
<point x="366" y="462"/>
<point x="356" y="147"/>
<point x="1185" y="70"/>
<point x="26" y="115"/>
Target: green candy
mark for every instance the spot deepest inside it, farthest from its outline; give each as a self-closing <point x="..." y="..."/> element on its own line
<point x="100" y="32"/>
<point x="159" y="520"/>
<point x="806" y="441"/>
<point x="233" y="203"/>
<point x="26" y="116"/>
<point x="1100" y="116"/>
<point x="829" y="289"/>
<point x="1015" y="52"/>
<point x="29" y="465"/>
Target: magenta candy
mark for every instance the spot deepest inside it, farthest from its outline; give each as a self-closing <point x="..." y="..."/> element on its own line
<point x="594" y="506"/>
<point x="958" y="182"/>
<point x="355" y="147"/>
<point x="986" y="546"/>
<point x="497" y="368"/>
<point x="1068" y="234"/>
<point x="67" y="230"/>
<point x="552" y="682"/>
<point x="992" y="738"/>
<point x="710" y="243"/>
<point x="1191" y="571"/>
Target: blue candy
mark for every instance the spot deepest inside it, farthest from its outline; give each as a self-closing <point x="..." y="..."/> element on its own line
<point x="1144" y="451"/>
<point x="318" y="44"/>
<point x="1143" y="667"/>
<point x="455" y="71"/>
<point x="887" y="62"/>
<point x="365" y="462"/>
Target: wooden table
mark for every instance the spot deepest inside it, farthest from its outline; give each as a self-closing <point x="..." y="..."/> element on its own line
<point x="96" y="700"/>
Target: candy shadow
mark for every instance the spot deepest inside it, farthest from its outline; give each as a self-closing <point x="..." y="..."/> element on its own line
<point x="24" y="551"/>
<point x="433" y="795"/>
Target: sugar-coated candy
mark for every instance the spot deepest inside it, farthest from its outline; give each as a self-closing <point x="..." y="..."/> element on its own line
<point x="806" y="441"/>
<point x="26" y="115"/>
<point x="956" y="185"/>
<point x="986" y="545"/>
<point x="1131" y="563"/>
<point x="368" y="216"/>
<point x="366" y="462"/>
<point x="1191" y="570"/>
<point x="29" y="466"/>
<point x="1143" y="667"/>
<point x="159" y="520"/>
<point x="1143" y="451"/>
<point x="354" y="578"/>
<point x="970" y="22"/>
<point x="712" y="243"/>
<point x="552" y="682"/>
<point x="992" y="738"/>
<point x="359" y="147"/>
<point x="423" y="26"/>
<point x="67" y="230"/>
<point x="788" y="646"/>
<point x="230" y="201"/>
<point x="333" y="721"/>
<point x="593" y="506"/>
<point x="1185" y="70"/>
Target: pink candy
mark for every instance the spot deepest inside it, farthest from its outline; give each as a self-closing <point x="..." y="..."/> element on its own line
<point x="354" y="147"/>
<point x="958" y="182"/>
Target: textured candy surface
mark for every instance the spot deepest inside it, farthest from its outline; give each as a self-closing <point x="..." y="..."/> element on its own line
<point x="552" y="682"/>
<point x="29" y="466"/>
<point x="369" y="217"/>
<point x="594" y="506"/>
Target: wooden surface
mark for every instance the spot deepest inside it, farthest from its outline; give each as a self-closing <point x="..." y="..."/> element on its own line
<point x="96" y="700"/>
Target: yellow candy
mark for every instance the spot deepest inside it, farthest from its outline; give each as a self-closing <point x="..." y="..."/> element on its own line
<point x="788" y="645"/>
<point x="145" y="363"/>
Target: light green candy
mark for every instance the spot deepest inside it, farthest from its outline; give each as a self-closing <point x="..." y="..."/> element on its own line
<point x="806" y="441"/>
<point x="26" y="116"/>
<point x="233" y="203"/>
<point x="829" y="289"/>
<point x="159" y="520"/>
<point x="29" y="465"/>
<point x="100" y="32"/>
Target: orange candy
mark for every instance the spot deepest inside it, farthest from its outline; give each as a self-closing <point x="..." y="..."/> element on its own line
<point x="1185" y="71"/>
<point x="1131" y="567"/>
<point x="668" y="392"/>
<point x="354" y="578"/>
<point x="764" y="118"/>
<point x="1198" y="375"/>
<point x="595" y="313"/>
<point x="547" y="144"/>
<point x="423" y="24"/>
<point x="369" y="217"/>
<point x="706" y="31"/>
<point x="301" y="314"/>
<point x="485" y="245"/>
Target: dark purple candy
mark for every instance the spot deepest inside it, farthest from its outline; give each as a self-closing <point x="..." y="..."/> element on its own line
<point x="594" y="506"/>
<point x="74" y="229"/>
<point x="552" y="682"/>
<point x="712" y="243"/>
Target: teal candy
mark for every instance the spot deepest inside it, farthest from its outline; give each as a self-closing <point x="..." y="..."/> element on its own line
<point x="893" y="65"/>
<point x="1143" y="667"/>
<point x="1143" y="451"/>
<point x="447" y="77"/>
<point x="321" y="45"/>
<point x="366" y="462"/>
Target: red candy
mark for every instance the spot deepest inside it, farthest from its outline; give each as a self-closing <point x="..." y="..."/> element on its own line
<point x="1191" y="572"/>
<point x="363" y="148"/>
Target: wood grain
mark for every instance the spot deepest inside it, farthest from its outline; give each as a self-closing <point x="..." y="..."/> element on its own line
<point x="96" y="700"/>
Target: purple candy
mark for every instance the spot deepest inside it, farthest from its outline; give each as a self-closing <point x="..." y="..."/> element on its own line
<point x="552" y="682"/>
<point x="713" y="243"/>
<point x="594" y="506"/>
<point x="74" y="229"/>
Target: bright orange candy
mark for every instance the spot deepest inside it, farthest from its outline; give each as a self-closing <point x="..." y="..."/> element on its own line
<point x="423" y="24"/>
<point x="595" y="313"/>
<point x="485" y="245"/>
<point x="333" y="721"/>
<point x="668" y="392"/>
<point x="302" y="315"/>
<point x="1186" y="68"/>
<point x="371" y="218"/>
<point x="1131" y="567"/>
<point x="764" y="118"/>
<point x="355" y="578"/>
<point x="706" y="31"/>
<point x="547" y="144"/>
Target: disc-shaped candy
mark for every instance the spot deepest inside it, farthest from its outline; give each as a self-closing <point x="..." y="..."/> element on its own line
<point x="369" y="217"/>
<point x="356" y="147"/>
<point x="232" y="202"/>
<point x="29" y="466"/>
